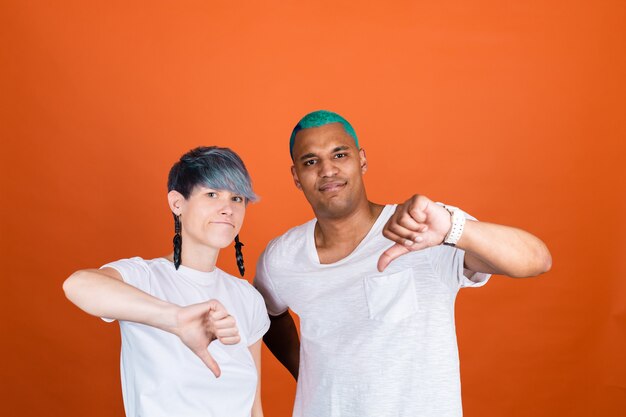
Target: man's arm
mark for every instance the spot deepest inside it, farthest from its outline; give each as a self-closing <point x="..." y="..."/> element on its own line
<point x="420" y="223"/>
<point x="103" y="293"/>
<point x="283" y="341"/>
<point x="504" y="250"/>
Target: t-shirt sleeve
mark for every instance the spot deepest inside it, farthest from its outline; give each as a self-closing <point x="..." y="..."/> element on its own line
<point x="263" y="282"/>
<point x="260" y="319"/>
<point x="134" y="271"/>
<point x="448" y="261"/>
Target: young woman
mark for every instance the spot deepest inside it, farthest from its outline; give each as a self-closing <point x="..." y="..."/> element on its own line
<point x="191" y="334"/>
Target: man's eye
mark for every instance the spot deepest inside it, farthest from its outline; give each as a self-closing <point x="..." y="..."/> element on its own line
<point x="309" y="162"/>
<point x="341" y="155"/>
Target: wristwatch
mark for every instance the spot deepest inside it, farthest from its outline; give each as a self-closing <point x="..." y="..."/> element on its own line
<point x="457" y="219"/>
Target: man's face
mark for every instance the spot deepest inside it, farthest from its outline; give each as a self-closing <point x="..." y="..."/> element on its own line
<point x="328" y="168"/>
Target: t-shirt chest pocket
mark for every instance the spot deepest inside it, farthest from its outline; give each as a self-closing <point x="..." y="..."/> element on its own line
<point x="391" y="298"/>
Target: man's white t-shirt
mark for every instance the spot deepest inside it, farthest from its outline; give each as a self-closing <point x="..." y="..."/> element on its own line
<point x="372" y="344"/>
<point x="160" y="375"/>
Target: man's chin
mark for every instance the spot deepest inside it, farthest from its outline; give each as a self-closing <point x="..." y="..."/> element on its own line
<point x="334" y="207"/>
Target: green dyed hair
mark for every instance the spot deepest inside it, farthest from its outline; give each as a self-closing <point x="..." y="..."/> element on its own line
<point x="320" y="118"/>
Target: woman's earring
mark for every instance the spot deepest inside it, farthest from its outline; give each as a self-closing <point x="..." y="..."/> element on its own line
<point x="239" y="255"/>
<point x="178" y="241"/>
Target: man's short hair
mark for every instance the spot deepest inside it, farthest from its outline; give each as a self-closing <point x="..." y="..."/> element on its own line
<point x="212" y="167"/>
<point x="320" y="118"/>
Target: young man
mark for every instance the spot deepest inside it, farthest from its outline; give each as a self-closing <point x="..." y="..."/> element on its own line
<point x="378" y="337"/>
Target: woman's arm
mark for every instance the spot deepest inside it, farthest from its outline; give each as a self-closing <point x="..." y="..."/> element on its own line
<point x="103" y="293"/>
<point x="255" y="350"/>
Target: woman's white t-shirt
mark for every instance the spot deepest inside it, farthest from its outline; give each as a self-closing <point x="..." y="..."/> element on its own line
<point x="160" y="375"/>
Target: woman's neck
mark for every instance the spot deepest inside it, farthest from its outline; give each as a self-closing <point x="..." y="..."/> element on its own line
<point x="198" y="258"/>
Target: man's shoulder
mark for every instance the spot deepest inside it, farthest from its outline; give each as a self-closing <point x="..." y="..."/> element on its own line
<point x="293" y="239"/>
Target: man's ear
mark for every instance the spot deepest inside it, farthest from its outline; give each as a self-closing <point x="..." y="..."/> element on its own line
<point x="176" y="202"/>
<point x="363" y="160"/>
<point x="295" y="177"/>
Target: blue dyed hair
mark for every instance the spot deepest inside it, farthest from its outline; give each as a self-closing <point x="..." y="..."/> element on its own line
<point x="320" y="118"/>
<point x="212" y="167"/>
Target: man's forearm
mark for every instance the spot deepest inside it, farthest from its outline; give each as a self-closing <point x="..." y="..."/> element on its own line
<point x="505" y="250"/>
<point x="101" y="295"/>
<point x="283" y="341"/>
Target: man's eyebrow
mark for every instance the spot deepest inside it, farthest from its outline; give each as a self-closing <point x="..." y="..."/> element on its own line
<point x="307" y="156"/>
<point x="313" y="155"/>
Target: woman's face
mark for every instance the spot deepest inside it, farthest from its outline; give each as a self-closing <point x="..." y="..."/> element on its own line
<point x="211" y="217"/>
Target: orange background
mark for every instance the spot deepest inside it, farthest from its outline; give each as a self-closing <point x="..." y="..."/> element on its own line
<point x="514" y="111"/>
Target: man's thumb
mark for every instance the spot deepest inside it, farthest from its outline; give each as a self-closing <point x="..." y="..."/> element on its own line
<point x="390" y="254"/>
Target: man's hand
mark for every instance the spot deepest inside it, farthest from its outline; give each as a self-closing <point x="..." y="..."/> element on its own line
<point x="417" y="224"/>
<point x="200" y="324"/>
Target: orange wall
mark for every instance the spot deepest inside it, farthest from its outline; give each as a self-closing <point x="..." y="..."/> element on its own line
<point x="514" y="111"/>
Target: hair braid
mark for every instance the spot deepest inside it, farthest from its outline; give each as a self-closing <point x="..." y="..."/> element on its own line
<point x="239" y="255"/>
<point x="178" y="241"/>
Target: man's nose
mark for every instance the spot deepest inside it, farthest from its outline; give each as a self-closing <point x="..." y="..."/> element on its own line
<point x="327" y="168"/>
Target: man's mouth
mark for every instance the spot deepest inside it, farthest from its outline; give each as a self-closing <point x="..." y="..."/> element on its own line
<point x="332" y="186"/>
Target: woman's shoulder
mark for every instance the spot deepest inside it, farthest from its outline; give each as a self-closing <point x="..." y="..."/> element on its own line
<point x="240" y="285"/>
<point x="139" y="264"/>
<point x="139" y="261"/>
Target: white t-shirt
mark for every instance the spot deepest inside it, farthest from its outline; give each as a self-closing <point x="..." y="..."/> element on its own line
<point x="372" y="344"/>
<point x="160" y="375"/>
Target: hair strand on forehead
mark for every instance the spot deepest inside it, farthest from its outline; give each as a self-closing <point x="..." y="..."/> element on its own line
<point x="212" y="167"/>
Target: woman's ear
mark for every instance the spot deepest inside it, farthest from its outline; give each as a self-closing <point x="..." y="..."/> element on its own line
<point x="176" y="202"/>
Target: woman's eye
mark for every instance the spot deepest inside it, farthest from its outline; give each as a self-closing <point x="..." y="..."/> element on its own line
<point x="238" y="199"/>
<point x="211" y="194"/>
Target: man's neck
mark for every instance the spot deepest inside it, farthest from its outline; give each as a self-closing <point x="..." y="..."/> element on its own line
<point x="336" y="238"/>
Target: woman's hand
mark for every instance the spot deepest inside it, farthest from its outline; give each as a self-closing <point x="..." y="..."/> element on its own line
<point x="198" y="325"/>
